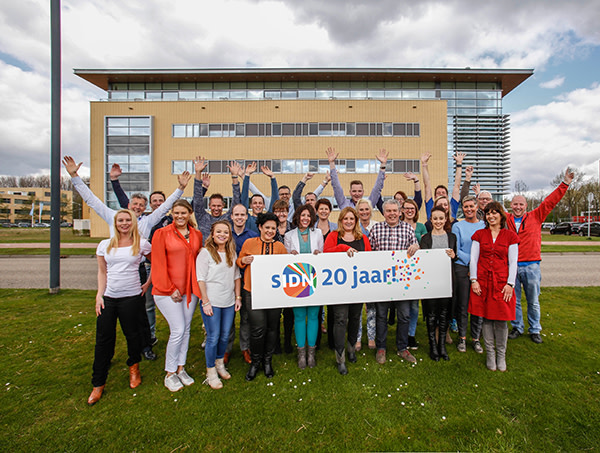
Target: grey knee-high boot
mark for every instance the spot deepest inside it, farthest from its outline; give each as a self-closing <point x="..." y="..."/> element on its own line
<point x="501" y="334"/>
<point x="488" y="337"/>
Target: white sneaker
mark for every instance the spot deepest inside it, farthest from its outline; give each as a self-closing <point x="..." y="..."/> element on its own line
<point x="173" y="383"/>
<point x="185" y="378"/>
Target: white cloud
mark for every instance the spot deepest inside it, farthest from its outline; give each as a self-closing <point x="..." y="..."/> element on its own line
<point x="548" y="138"/>
<point x="554" y="83"/>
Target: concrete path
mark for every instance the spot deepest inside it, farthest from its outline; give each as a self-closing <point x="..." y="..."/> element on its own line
<point x="80" y="272"/>
<point x="46" y="245"/>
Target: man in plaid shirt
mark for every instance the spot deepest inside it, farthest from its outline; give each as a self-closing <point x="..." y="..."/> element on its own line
<point x="393" y="234"/>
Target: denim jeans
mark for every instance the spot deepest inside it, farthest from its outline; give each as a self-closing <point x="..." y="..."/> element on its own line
<point x="403" y="317"/>
<point x="530" y="276"/>
<point x="414" y="317"/>
<point x="217" y="327"/>
<point x="150" y="306"/>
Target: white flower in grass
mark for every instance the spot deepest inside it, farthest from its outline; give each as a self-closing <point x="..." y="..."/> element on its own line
<point x="309" y="380"/>
<point x="300" y="399"/>
<point x="476" y="385"/>
<point x="304" y="383"/>
<point x="135" y="394"/>
<point x="295" y="386"/>
<point x="422" y="404"/>
<point x="290" y="380"/>
<point x="273" y="394"/>
<point x="175" y="400"/>
<point x="397" y="389"/>
<point x="402" y="403"/>
<point x="389" y="396"/>
<point x="443" y="418"/>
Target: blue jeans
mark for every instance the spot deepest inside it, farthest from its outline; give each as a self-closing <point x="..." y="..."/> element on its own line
<point x="530" y="276"/>
<point x="414" y="317"/>
<point x="217" y="333"/>
<point x="306" y="325"/>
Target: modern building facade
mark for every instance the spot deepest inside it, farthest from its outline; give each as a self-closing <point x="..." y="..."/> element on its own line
<point x="16" y="204"/>
<point x="154" y="122"/>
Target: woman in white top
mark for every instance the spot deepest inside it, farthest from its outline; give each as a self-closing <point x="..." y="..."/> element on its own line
<point x="305" y="239"/>
<point x="219" y="282"/>
<point x="119" y="297"/>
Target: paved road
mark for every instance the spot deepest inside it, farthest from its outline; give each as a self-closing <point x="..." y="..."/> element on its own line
<point x="80" y="272"/>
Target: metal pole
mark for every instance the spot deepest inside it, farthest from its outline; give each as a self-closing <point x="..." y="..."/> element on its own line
<point x="55" y="147"/>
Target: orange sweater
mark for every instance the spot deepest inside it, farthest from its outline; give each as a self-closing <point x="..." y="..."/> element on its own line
<point x="255" y="246"/>
<point x="174" y="262"/>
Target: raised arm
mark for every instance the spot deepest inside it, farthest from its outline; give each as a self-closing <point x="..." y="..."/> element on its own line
<point x="115" y="173"/>
<point x="274" y="188"/>
<point x="250" y="168"/>
<point x="554" y="197"/>
<point x="319" y="190"/>
<point x="418" y="198"/>
<point x="382" y="157"/>
<point x="235" y="169"/>
<point x="297" y="194"/>
<point x="426" y="183"/>
<point x="146" y="223"/>
<point x="87" y="195"/>
<point x="199" y="165"/>
<point x="459" y="157"/>
<point x="466" y="186"/>
<point x="338" y="192"/>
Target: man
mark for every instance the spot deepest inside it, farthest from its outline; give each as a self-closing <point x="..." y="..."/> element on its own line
<point x="483" y="199"/>
<point x="462" y="285"/>
<point x="528" y="225"/>
<point x="393" y="234"/>
<point x="216" y="202"/>
<point x="311" y="197"/>
<point x="441" y="190"/>
<point x="239" y="215"/>
<point x="356" y="187"/>
<point x="137" y="203"/>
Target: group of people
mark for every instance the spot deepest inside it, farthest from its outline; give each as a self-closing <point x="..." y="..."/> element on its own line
<point x="194" y="255"/>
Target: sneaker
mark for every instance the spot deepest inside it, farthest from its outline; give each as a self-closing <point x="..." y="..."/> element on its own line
<point x="149" y="354"/>
<point x="185" y="378"/>
<point x="462" y="345"/>
<point x="412" y="343"/>
<point x="514" y="334"/>
<point x="203" y="345"/>
<point x="454" y="326"/>
<point x="536" y="338"/>
<point x="380" y="356"/>
<point x="407" y="356"/>
<point x="173" y="383"/>
<point x="477" y="347"/>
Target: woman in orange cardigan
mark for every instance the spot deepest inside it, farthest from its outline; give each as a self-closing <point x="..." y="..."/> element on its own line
<point x="263" y="323"/>
<point x="176" y="290"/>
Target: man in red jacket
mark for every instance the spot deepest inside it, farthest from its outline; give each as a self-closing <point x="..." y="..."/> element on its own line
<point x="528" y="225"/>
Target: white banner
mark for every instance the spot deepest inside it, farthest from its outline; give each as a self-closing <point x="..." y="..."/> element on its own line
<point x="335" y="278"/>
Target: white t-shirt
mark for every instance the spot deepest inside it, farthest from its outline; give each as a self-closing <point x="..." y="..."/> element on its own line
<point x="219" y="278"/>
<point x="122" y="269"/>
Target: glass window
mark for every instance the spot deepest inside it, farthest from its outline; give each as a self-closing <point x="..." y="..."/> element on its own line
<point x="215" y="130"/>
<point x="276" y="130"/>
<point x="135" y="95"/>
<point x="376" y="94"/>
<point x="409" y="129"/>
<point x="153" y="95"/>
<point x="288" y="166"/>
<point x="273" y="85"/>
<point x="220" y="94"/>
<point x="170" y="95"/>
<point x="187" y="85"/>
<point x="399" y="129"/>
<point x="289" y="94"/>
<point x="204" y="95"/>
<point x="448" y="94"/>
<point x="139" y="168"/>
<point x="427" y="94"/>
<point x="137" y="86"/>
<point x="240" y="130"/>
<point x="388" y="129"/>
<point x="237" y="94"/>
<point x="362" y="129"/>
<point x="118" y="131"/>
<point x="350" y="165"/>
<point x="187" y="95"/>
<point x="288" y="129"/>
<point x="214" y="166"/>
<point x="323" y="94"/>
<point x="313" y="128"/>
<point x="272" y="94"/>
<point x="416" y="129"/>
<point x="358" y="94"/>
<point x="203" y="130"/>
<point x="410" y="94"/>
<point x="117" y="121"/>
<point x="325" y="129"/>
<point x="306" y="94"/>
<point x="254" y="94"/>
<point x="117" y="95"/>
<point x="170" y="85"/>
<point x="362" y="166"/>
<point x="399" y="166"/>
<point x="350" y="128"/>
<point x="142" y="121"/>
<point x="139" y="131"/>
<point x="393" y="94"/>
<point x="177" y="167"/>
<point x="251" y="130"/>
<point x="323" y="165"/>
<point x="139" y="159"/>
<point x="255" y="85"/>
<point x="306" y="85"/>
<point x="313" y="166"/>
<point x="341" y="94"/>
<point x="276" y="166"/>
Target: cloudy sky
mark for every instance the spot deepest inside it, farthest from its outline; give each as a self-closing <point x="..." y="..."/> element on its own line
<point x="554" y="114"/>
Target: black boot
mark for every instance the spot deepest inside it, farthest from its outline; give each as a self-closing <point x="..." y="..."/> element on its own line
<point x="433" y="348"/>
<point x="269" y="372"/>
<point x="352" y="353"/>
<point x="270" y="345"/>
<point x="341" y="362"/>
<point x="444" y="312"/>
<point x="254" y="366"/>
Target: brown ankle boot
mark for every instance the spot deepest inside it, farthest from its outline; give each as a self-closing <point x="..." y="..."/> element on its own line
<point x="95" y="395"/>
<point x="135" y="377"/>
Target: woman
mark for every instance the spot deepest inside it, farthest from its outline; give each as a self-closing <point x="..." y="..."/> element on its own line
<point x="410" y="215"/>
<point x="437" y="311"/>
<point x="176" y="290"/>
<point x="365" y="212"/>
<point x="350" y="239"/>
<point x="281" y="208"/>
<point x="493" y="270"/>
<point x="119" y="296"/>
<point x="444" y="202"/>
<point x="305" y="239"/>
<point x="323" y="208"/>
<point x="219" y="282"/>
<point x="263" y="323"/>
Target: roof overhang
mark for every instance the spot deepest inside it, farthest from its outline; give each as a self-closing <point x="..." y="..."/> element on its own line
<point x="508" y="78"/>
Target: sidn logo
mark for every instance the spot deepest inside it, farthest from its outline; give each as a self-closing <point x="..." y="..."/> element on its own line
<point x="298" y="280"/>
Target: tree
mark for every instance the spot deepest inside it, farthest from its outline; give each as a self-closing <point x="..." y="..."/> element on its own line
<point x="568" y="206"/>
<point x="521" y="187"/>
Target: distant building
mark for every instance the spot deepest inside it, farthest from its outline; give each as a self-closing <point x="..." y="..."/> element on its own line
<point x="16" y="203"/>
<point x="154" y="122"/>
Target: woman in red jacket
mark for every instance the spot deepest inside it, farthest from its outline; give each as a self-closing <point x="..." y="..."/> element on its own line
<point x="350" y="239"/>
<point x="493" y="271"/>
<point x="176" y="290"/>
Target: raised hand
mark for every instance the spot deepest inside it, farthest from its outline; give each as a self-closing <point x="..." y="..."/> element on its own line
<point x="267" y="171"/>
<point x="235" y="168"/>
<point x="477" y="189"/>
<point x="307" y="177"/>
<point x="331" y="155"/>
<point x="425" y="158"/>
<point x="382" y="156"/>
<point x="205" y="178"/>
<point x="71" y="166"/>
<point x="410" y="176"/>
<point x="459" y="157"/>
<point x="115" y="172"/>
<point x="183" y="179"/>
<point x="569" y="175"/>
<point x="469" y="172"/>
<point x="250" y="168"/>
<point x="200" y="164"/>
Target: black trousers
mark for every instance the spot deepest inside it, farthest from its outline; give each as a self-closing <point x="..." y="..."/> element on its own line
<point x="462" y="291"/>
<point x="263" y="329"/>
<point x="346" y="317"/>
<point x="126" y="310"/>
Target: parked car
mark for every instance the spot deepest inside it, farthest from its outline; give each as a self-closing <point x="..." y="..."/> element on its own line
<point x="594" y="229"/>
<point x="565" y="228"/>
<point x="66" y="224"/>
<point x="547" y="225"/>
<point x="41" y="225"/>
<point x="24" y="225"/>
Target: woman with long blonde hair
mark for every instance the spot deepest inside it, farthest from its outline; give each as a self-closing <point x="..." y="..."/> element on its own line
<point x="176" y="290"/>
<point x="219" y="281"/>
<point x="118" y="298"/>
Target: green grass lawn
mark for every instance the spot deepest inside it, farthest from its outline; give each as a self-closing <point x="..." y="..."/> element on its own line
<point x="548" y="400"/>
<point x="16" y="235"/>
<point x="546" y="237"/>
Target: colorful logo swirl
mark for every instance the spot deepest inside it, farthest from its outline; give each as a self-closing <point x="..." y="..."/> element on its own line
<point x="300" y="280"/>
